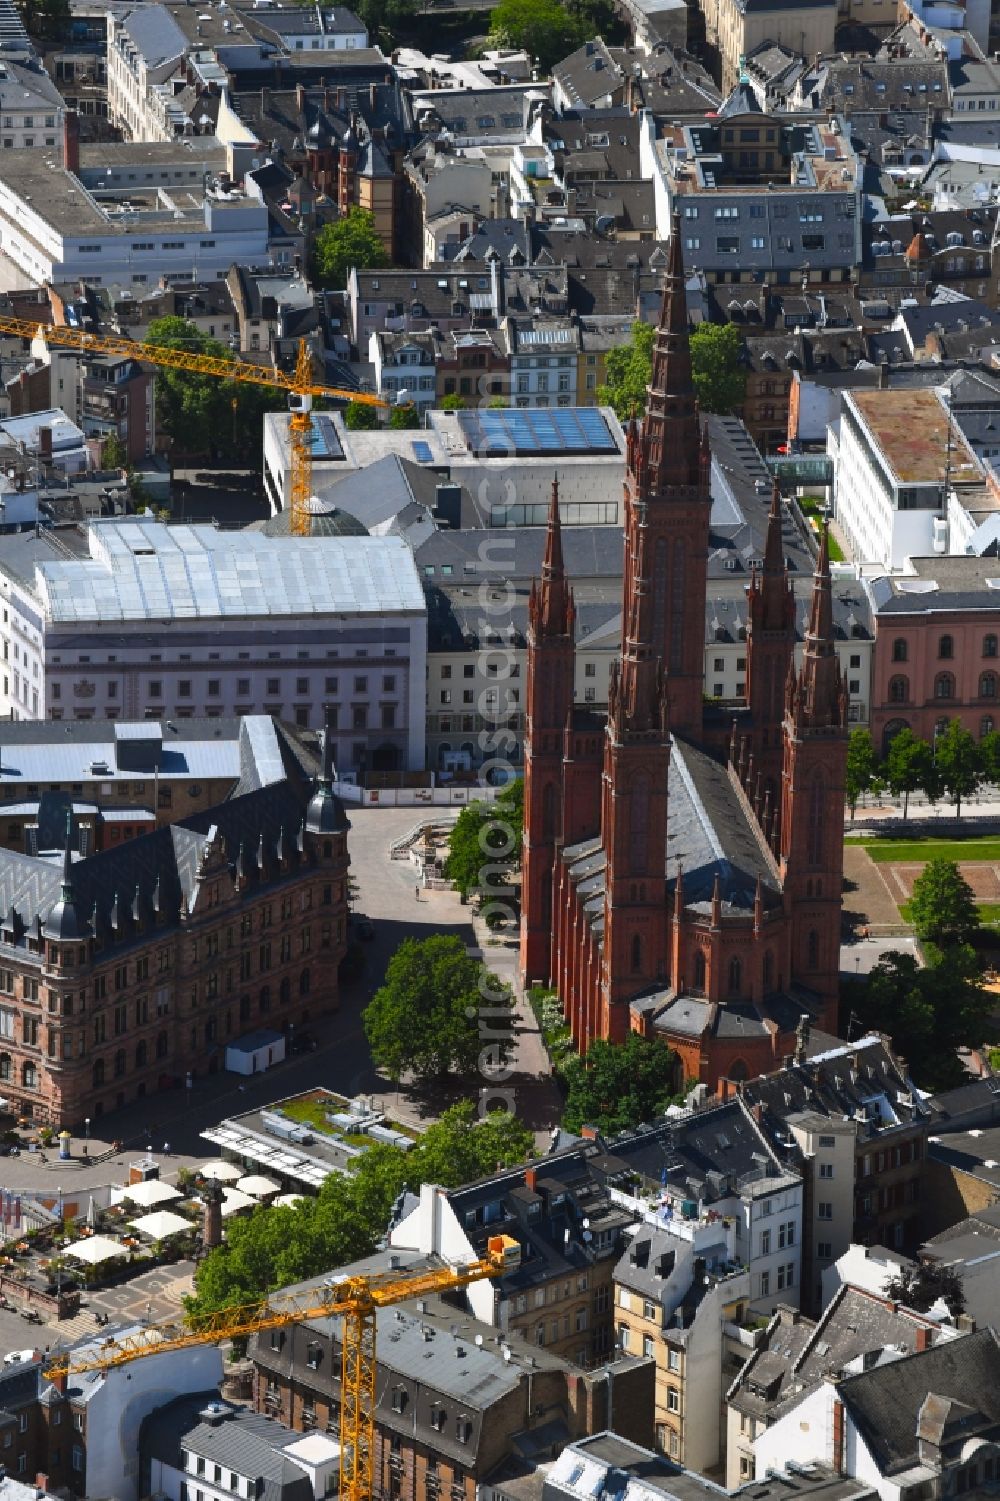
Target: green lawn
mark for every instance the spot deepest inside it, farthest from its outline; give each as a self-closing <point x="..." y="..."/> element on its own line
<point x="312" y="1110"/>
<point x="989" y="913"/>
<point x="886" y="851"/>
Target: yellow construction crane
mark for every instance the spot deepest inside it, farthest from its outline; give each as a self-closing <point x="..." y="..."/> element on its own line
<point x="301" y="388"/>
<point x="356" y="1300"/>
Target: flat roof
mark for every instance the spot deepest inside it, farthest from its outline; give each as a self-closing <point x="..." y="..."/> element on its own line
<point x="146" y="570"/>
<point x="910" y="428"/>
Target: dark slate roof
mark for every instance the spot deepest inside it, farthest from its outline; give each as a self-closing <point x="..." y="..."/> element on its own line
<point x="709" y="835"/>
<point x="838" y="1084"/>
<point x="957" y="583"/>
<point x="709" y="1152"/>
<point x="589" y="74"/>
<point x="243" y="1441"/>
<point x="143" y="882"/>
<point x="742" y="101"/>
<point x="886" y="1402"/>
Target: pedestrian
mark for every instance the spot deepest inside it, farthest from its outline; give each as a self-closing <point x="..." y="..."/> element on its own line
<point x="166" y="1149"/>
<point x="416" y="893"/>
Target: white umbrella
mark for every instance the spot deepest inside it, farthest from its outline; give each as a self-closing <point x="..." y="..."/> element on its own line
<point x="151" y="1192"/>
<point x="96" y="1248"/>
<point x="257" y="1186"/>
<point x="221" y="1170"/>
<point x="160" y="1224"/>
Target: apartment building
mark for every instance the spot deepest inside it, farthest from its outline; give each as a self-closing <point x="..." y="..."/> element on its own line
<point x="680" y="1300"/>
<point x="760" y="197"/>
<point x="795" y="1355"/>
<point x="31" y="107"/>
<point x="734" y="28"/>
<point x="455" y="1398"/>
<point x="858" y="1130"/>
<point x="405" y="367"/>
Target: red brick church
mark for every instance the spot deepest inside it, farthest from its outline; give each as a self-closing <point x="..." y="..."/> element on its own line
<point x="682" y="876"/>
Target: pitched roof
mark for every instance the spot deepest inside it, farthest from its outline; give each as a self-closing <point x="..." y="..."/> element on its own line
<point x="887" y="1403"/>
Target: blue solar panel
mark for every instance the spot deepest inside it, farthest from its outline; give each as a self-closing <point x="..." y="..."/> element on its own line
<point x="540" y="430"/>
<point x="422" y="451"/>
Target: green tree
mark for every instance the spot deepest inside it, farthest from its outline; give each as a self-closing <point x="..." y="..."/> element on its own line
<point x="928" y="1012"/>
<point x="958" y="763"/>
<point x="544" y="28"/>
<point x="348" y="1216"/>
<point x="452" y="402"/>
<point x="943" y="906"/>
<point x="862" y="767"/>
<point x="425" y="1019"/>
<point x="349" y="241"/>
<point x="113" y="452"/>
<point x="619" y="1085"/>
<point x="485" y="843"/>
<point x="629" y="370"/>
<point x="360" y="416"/>
<point x="989" y="751"/>
<point x="921" y="1286"/>
<point x="203" y="414"/>
<point x="405" y="416"/>
<point x="720" y="380"/>
<point x="909" y="767"/>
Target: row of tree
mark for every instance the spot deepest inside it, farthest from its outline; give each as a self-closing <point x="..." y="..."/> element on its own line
<point x="955" y="766"/>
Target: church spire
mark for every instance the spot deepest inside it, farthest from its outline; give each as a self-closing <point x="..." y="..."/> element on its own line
<point x="670" y="447"/>
<point x="551" y="603"/>
<point x="820" y="687"/>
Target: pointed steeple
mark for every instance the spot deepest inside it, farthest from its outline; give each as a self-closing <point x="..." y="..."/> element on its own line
<point x="550" y="608"/>
<point x="325" y="813"/>
<point x="64" y="923"/>
<point x="671" y="445"/>
<point x="819" y="680"/>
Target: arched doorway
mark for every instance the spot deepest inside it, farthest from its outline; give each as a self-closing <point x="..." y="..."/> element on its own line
<point x="890" y="732"/>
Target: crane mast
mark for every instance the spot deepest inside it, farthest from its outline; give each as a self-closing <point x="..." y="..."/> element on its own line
<point x="300" y="386"/>
<point x="355" y="1300"/>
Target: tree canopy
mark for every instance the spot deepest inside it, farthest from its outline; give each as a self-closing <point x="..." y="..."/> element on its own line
<point x="425" y="1019"/>
<point x="921" y="1286"/>
<point x="909" y="767"/>
<point x="619" y="1085"/>
<point x="862" y="767"/>
<point x="347" y="1218"/>
<point x="958" y="763"/>
<point x="629" y="370"/>
<point x="720" y="380"/>
<point x="943" y="907"/>
<point x="485" y="843"/>
<point x="544" y="28"/>
<point x="349" y="241"/>
<point x="928" y="1012"/>
<point x="203" y="414"/>
<point x="360" y="416"/>
<point x="404" y="417"/>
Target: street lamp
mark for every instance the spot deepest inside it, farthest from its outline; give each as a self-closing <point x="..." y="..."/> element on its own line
<point x="86" y="1136"/>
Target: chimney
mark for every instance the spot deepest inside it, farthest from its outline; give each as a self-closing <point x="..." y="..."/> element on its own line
<point x="265" y="100"/>
<point x="530" y="1178"/>
<point x="41" y="1483"/>
<point x="300" y="97"/>
<point x="71" y="141"/>
<point x="373" y="96"/>
<point x="45" y="444"/>
<point x="924" y="1336"/>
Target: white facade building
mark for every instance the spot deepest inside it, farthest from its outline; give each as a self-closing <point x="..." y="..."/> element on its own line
<point x="896" y="454"/>
<point x="543" y="363"/>
<point x="115" y="1403"/>
<point x="129" y="215"/>
<point x="162" y="622"/>
<point x="404" y="366"/>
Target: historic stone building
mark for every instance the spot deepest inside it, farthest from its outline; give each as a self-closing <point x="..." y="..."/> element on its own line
<point x="131" y="967"/>
<point x="682" y="875"/>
